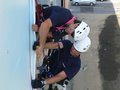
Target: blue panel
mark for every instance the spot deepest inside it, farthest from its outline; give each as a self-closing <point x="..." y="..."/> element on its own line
<point x="14" y="45"/>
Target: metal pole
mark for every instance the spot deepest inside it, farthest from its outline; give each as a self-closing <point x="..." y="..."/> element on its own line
<point x="62" y="3"/>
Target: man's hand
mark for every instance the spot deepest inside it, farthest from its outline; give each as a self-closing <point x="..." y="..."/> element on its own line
<point x="37" y="83"/>
<point x="39" y="51"/>
<point x="35" y="27"/>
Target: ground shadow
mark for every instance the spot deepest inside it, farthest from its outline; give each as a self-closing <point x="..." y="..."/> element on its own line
<point x="109" y="51"/>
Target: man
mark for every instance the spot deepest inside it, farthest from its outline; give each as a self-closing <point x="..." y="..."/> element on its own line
<point x="67" y="65"/>
<point x="60" y="22"/>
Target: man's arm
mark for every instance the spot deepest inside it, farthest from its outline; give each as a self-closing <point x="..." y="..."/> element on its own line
<point x="43" y="31"/>
<point x="35" y="28"/>
<point x="60" y="76"/>
<point x="53" y="45"/>
<point x="40" y="83"/>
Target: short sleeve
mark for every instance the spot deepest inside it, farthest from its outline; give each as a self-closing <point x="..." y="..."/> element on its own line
<point x="72" y="69"/>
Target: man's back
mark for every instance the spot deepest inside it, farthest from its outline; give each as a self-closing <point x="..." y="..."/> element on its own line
<point x="57" y="14"/>
<point x="62" y="60"/>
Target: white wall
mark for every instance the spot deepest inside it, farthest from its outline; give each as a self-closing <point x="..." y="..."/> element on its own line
<point x="15" y="50"/>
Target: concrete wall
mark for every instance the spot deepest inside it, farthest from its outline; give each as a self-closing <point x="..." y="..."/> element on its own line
<point x="16" y="37"/>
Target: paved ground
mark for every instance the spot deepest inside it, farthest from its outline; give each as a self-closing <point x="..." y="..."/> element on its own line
<point x="90" y="79"/>
<point x="103" y="58"/>
<point x="109" y="54"/>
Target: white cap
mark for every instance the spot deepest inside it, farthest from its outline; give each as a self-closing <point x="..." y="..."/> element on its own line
<point x="82" y="45"/>
<point x="81" y="31"/>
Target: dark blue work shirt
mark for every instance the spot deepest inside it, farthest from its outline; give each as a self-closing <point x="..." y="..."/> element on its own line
<point x="67" y="63"/>
<point x="58" y="16"/>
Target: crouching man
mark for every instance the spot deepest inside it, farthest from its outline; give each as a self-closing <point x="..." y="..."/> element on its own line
<point x="64" y="62"/>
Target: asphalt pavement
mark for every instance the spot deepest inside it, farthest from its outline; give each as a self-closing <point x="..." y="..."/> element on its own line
<point x="101" y="64"/>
